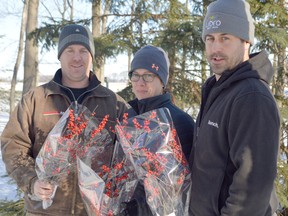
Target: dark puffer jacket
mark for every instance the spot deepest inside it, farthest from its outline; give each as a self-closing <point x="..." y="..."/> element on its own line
<point x="184" y="125"/>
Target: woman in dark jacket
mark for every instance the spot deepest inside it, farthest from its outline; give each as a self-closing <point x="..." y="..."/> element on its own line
<point x="149" y="75"/>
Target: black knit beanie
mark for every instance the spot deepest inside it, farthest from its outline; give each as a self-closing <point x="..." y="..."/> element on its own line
<point x="153" y="59"/>
<point x="76" y="34"/>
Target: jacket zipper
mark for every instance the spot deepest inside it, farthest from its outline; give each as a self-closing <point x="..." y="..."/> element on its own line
<point x="72" y="92"/>
<point x="75" y="176"/>
<point x="74" y="194"/>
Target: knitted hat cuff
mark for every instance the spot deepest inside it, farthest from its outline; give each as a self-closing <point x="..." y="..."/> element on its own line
<point x="76" y="34"/>
<point x="231" y="17"/>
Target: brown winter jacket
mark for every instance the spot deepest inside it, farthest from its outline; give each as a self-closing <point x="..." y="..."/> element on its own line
<point x="32" y="120"/>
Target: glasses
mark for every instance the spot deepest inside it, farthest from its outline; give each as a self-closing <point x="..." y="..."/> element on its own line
<point x="134" y="77"/>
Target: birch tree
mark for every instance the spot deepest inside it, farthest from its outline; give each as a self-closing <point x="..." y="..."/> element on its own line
<point x="19" y="55"/>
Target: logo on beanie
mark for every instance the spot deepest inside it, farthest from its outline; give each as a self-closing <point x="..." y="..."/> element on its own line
<point x="213" y="23"/>
<point x="155" y="67"/>
<point x="77" y="30"/>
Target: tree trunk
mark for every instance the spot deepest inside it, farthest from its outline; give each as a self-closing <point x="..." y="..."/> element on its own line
<point x="71" y="6"/>
<point x="204" y="60"/>
<point x="172" y="58"/>
<point x="19" y="55"/>
<point x="131" y="36"/>
<point x="280" y="78"/>
<point x="96" y="32"/>
<point x="31" y="49"/>
<point x="105" y="17"/>
<point x="275" y="75"/>
<point x="104" y="30"/>
<point x="204" y="67"/>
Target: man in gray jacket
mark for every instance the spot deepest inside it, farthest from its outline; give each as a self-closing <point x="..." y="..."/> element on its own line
<point x="236" y="141"/>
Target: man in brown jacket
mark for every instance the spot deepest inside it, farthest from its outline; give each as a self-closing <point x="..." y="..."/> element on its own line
<point x="41" y="108"/>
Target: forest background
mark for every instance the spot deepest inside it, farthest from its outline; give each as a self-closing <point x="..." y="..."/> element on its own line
<point x="121" y="27"/>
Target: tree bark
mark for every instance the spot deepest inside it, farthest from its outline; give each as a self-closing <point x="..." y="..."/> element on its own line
<point x="104" y="30"/>
<point x="96" y="32"/>
<point x="31" y="49"/>
<point x="105" y="17"/>
<point x="71" y="6"/>
<point x="19" y="55"/>
<point x="281" y="72"/>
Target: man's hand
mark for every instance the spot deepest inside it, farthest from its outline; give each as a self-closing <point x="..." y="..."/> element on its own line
<point x="43" y="189"/>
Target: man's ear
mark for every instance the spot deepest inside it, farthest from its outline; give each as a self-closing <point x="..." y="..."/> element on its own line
<point x="247" y="45"/>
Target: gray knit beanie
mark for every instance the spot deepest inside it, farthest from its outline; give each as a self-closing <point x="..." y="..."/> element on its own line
<point x="153" y="59"/>
<point x="76" y="34"/>
<point x="231" y="17"/>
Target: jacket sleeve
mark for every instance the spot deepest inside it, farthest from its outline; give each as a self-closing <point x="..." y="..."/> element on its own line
<point x="253" y="133"/>
<point x="184" y="125"/>
<point x="122" y="107"/>
<point x="16" y="146"/>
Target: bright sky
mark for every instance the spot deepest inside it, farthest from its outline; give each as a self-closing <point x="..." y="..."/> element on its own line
<point x="10" y="19"/>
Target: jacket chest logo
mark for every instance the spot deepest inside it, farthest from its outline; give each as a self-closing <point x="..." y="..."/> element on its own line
<point x="214" y="124"/>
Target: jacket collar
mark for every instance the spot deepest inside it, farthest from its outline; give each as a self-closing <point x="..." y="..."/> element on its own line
<point x="148" y="104"/>
<point x="55" y="86"/>
<point x="258" y="66"/>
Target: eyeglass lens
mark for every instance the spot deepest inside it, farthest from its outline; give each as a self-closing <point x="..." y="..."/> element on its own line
<point x="146" y="77"/>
